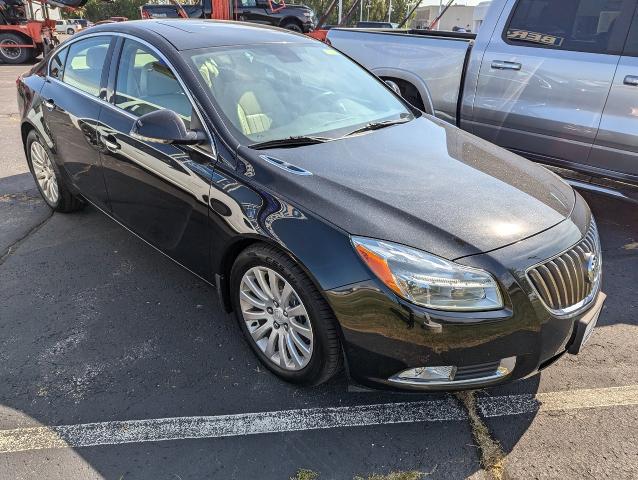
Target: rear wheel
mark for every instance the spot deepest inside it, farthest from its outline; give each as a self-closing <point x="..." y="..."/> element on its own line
<point x="9" y="53"/>
<point x="284" y="318"/>
<point x="69" y="31"/>
<point x="46" y="177"/>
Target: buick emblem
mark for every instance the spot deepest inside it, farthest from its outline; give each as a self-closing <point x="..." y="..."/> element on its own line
<point x="591" y="267"/>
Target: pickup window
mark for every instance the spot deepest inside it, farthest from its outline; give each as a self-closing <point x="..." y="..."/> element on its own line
<point x="631" y="49"/>
<point x="575" y="25"/>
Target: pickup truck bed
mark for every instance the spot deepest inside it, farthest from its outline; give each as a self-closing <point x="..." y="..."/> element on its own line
<point x="439" y="57"/>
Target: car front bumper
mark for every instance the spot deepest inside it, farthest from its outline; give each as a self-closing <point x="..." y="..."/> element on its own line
<point x="384" y="335"/>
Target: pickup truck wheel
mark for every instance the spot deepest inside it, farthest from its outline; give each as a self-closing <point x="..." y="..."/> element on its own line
<point x="11" y="54"/>
<point x="292" y="26"/>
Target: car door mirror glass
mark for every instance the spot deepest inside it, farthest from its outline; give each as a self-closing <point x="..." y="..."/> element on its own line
<point x="165" y="126"/>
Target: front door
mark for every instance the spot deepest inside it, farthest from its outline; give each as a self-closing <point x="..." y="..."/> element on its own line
<point x="256" y="11"/>
<point x="72" y="106"/>
<point x="546" y="75"/>
<point x="160" y="191"/>
<point x="616" y="146"/>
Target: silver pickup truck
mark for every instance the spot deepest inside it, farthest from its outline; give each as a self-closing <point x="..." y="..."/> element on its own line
<point x="555" y="81"/>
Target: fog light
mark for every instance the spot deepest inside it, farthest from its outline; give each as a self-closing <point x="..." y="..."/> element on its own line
<point x="428" y="374"/>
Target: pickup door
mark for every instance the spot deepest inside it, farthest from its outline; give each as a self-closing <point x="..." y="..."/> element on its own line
<point x="546" y="75"/>
<point x="616" y="146"/>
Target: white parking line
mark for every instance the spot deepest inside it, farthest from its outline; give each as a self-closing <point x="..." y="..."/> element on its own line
<point x="135" y="431"/>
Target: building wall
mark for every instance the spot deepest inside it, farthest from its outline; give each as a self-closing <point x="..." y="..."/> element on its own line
<point x="456" y="16"/>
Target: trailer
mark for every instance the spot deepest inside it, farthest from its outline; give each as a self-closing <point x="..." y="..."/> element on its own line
<point x="22" y="38"/>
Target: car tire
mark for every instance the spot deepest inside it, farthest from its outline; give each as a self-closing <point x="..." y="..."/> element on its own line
<point x="325" y="358"/>
<point x="70" y="31"/>
<point x="295" y="27"/>
<point x="51" y="187"/>
<point x="14" y="55"/>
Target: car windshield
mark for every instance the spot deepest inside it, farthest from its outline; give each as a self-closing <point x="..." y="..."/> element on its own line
<point x="277" y="91"/>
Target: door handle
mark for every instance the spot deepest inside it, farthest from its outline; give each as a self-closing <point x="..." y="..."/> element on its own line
<point x="110" y="143"/>
<point x="631" y="80"/>
<point x="49" y="103"/>
<point x="503" y="65"/>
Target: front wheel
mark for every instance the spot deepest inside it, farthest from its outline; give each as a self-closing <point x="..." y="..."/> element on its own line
<point x="283" y="316"/>
<point x="295" y="27"/>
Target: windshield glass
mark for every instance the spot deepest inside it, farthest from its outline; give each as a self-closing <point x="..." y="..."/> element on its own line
<point x="276" y="91"/>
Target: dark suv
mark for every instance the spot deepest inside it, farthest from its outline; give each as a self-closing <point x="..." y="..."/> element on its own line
<point x="298" y="18"/>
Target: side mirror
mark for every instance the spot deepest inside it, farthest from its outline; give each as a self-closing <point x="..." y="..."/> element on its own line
<point x="165" y="126"/>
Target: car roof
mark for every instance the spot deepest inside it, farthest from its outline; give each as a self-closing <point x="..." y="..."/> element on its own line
<point x="186" y="34"/>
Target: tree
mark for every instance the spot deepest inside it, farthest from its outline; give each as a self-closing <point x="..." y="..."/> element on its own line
<point x="96" y="10"/>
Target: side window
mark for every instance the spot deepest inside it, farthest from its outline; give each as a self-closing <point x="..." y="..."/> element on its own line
<point x="84" y="64"/>
<point x="248" y="3"/>
<point x="145" y="84"/>
<point x="631" y="47"/>
<point x="576" y="25"/>
<point x="56" y="67"/>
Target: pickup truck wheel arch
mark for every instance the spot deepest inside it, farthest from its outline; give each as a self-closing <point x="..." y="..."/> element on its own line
<point x="404" y="77"/>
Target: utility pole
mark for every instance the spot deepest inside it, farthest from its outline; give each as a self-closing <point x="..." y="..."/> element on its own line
<point x="361" y="11"/>
<point x="368" y="5"/>
<point x="340" y="10"/>
<point x="440" y="10"/>
<point x="390" y="12"/>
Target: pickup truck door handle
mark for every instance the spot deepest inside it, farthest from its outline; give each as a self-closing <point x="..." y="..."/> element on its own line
<point x="49" y="103"/>
<point x="631" y="80"/>
<point x="503" y="65"/>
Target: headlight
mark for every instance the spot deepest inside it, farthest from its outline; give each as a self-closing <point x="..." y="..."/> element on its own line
<point x="428" y="280"/>
<point x="308" y="14"/>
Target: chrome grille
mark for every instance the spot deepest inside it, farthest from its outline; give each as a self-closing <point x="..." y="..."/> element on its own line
<point x="570" y="280"/>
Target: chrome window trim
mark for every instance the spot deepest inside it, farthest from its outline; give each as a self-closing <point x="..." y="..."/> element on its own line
<point x="580" y="306"/>
<point x="194" y="105"/>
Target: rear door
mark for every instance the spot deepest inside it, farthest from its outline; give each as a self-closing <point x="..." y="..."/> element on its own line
<point x="160" y="191"/>
<point x="73" y="94"/>
<point x="616" y="147"/>
<point x="546" y="75"/>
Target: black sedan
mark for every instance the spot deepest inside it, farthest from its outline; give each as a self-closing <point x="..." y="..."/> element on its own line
<point x="342" y="226"/>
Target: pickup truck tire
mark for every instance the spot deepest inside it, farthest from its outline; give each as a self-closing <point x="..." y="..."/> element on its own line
<point x="292" y="25"/>
<point x="408" y="91"/>
<point x="14" y="55"/>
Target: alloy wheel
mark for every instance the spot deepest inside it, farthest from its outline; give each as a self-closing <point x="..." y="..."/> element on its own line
<point x="44" y="173"/>
<point x="276" y="318"/>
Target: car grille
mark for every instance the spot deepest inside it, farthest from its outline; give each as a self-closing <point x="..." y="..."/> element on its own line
<point x="569" y="281"/>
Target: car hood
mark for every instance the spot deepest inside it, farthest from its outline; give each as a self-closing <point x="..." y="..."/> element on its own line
<point x="425" y="184"/>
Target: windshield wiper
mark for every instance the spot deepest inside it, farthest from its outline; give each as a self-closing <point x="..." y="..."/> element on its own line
<point x="289" y="142"/>
<point x="377" y="126"/>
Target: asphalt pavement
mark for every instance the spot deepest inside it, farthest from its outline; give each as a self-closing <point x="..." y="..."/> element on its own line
<point x="115" y="363"/>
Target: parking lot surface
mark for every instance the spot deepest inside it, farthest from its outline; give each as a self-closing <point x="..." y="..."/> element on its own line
<point x="116" y="363"/>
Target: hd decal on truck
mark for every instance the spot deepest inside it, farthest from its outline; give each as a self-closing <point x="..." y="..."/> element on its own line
<point x="534" y="37"/>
